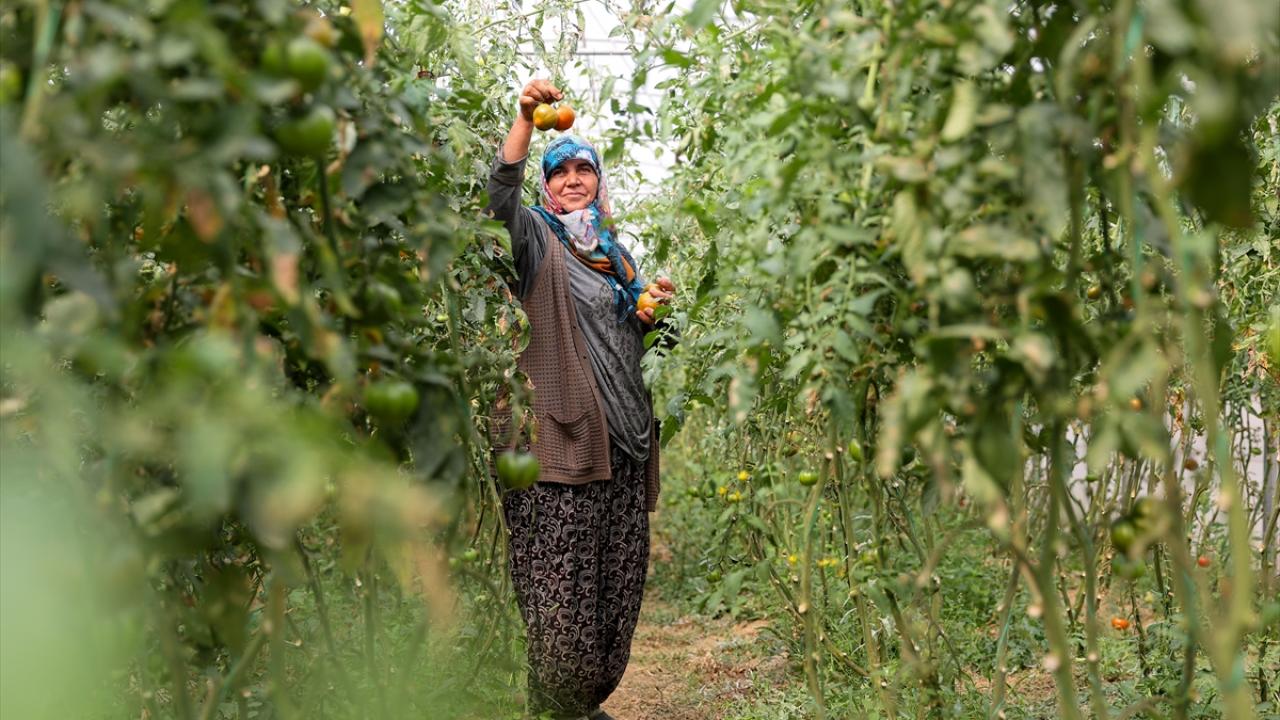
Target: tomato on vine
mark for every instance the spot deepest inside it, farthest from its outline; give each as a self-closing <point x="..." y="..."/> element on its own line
<point x="391" y="402"/>
<point x="564" y="117"/>
<point x="545" y="117"/>
<point x="381" y="302"/>
<point x="10" y="83"/>
<point x="517" y="470"/>
<point x="1128" y="569"/>
<point x="1123" y="534"/>
<point x="306" y="61"/>
<point x="309" y="135"/>
<point x="322" y="31"/>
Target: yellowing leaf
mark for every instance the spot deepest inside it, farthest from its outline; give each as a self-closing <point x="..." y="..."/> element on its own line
<point x="368" y="17"/>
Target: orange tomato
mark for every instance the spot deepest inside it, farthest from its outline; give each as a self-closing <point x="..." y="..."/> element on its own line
<point x="1120" y="623"/>
<point x="646" y="302"/>
<point x="545" y="117"/>
<point x="565" y="117"/>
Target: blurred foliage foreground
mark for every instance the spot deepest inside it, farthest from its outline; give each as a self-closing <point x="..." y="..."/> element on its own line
<point x="959" y="274"/>
<point x="239" y="447"/>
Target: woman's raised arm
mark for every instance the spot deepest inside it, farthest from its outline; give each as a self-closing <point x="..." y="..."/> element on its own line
<point x="508" y="168"/>
<point x="537" y="91"/>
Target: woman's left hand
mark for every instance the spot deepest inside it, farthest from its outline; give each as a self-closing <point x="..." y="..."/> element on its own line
<point x="661" y="290"/>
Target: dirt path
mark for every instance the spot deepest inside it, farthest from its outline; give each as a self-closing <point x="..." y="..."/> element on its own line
<point x="685" y="668"/>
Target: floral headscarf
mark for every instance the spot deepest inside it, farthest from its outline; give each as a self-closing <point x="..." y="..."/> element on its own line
<point x="589" y="233"/>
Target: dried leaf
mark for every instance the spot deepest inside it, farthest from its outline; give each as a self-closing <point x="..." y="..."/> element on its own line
<point x="284" y="275"/>
<point x="203" y="215"/>
<point x="368" y="17"/>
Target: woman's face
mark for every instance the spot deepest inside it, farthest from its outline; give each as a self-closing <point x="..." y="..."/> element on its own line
<point x="574" y="184"/>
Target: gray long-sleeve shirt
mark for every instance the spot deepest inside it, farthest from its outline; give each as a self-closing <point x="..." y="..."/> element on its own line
<point x="615" y="348"/>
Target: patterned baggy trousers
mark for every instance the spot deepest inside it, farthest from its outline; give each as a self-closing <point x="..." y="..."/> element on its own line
<point x="579" y="554"/>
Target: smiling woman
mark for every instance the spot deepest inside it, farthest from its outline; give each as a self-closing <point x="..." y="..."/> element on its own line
<point x="574" y="184"/>
<point x="579" y="537"/>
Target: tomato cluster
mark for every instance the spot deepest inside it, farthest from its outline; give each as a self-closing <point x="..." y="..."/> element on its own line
<point x="306" y="61"/>
<point x="546" y="117"/>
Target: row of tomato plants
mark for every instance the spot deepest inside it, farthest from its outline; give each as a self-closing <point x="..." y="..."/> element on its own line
<point x="982" y="246"/>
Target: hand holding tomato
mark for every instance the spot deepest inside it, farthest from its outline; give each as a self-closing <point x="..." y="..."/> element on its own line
<point x="538" y="92"/>
<point x="657" y="293"/>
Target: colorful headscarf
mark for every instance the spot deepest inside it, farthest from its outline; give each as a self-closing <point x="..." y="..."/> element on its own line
<point x="589" y="233"/>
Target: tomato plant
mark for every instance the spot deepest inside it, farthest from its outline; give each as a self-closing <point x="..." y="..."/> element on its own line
<point x="980" y="242"/>
<point x="234" y="291"/>
<point x="980" y="347"/>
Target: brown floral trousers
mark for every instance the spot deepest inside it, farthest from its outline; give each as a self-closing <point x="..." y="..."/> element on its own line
<point x="579" y="554"/>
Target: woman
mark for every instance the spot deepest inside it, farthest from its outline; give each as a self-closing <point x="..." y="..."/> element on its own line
<point x="579" y="538"/>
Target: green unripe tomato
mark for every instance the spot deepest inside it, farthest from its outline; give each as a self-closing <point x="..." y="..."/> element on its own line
<point x="807" y="478"/>
<point x="309" y="135"/>
<point x="855" y="451"/>
<point x="210" y="357"/>
<point x="1129" y="569"/>
<point x="1146" y="508"/>
<point x="1123" y="534"/>
<point x="272" y="60"/>
<point x="322" y="31"/>
<point x="391" y="402"/>
<point x="10" y="84"/>
<point x="517" y="470"/>
<point x="381" y="302"/>
<point x="306" y="61"/>
<point x="1145" y="514"/>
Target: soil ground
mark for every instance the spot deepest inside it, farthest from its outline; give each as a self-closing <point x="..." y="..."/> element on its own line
<point x="693" y="668"/>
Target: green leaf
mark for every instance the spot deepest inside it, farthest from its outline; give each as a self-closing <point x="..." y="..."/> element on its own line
<point x="761" y="325"/>
<point x="964" y="106"/>
<point x="677" y="58"/>
<point x="784" y="120"/>
<point x="994" y="241"/>
<point x="702" y="12"/>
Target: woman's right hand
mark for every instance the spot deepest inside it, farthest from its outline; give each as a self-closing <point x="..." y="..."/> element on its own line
<point x="536" y="93"/>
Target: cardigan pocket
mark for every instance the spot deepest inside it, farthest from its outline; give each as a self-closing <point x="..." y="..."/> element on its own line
<point x="571" y="437"/>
